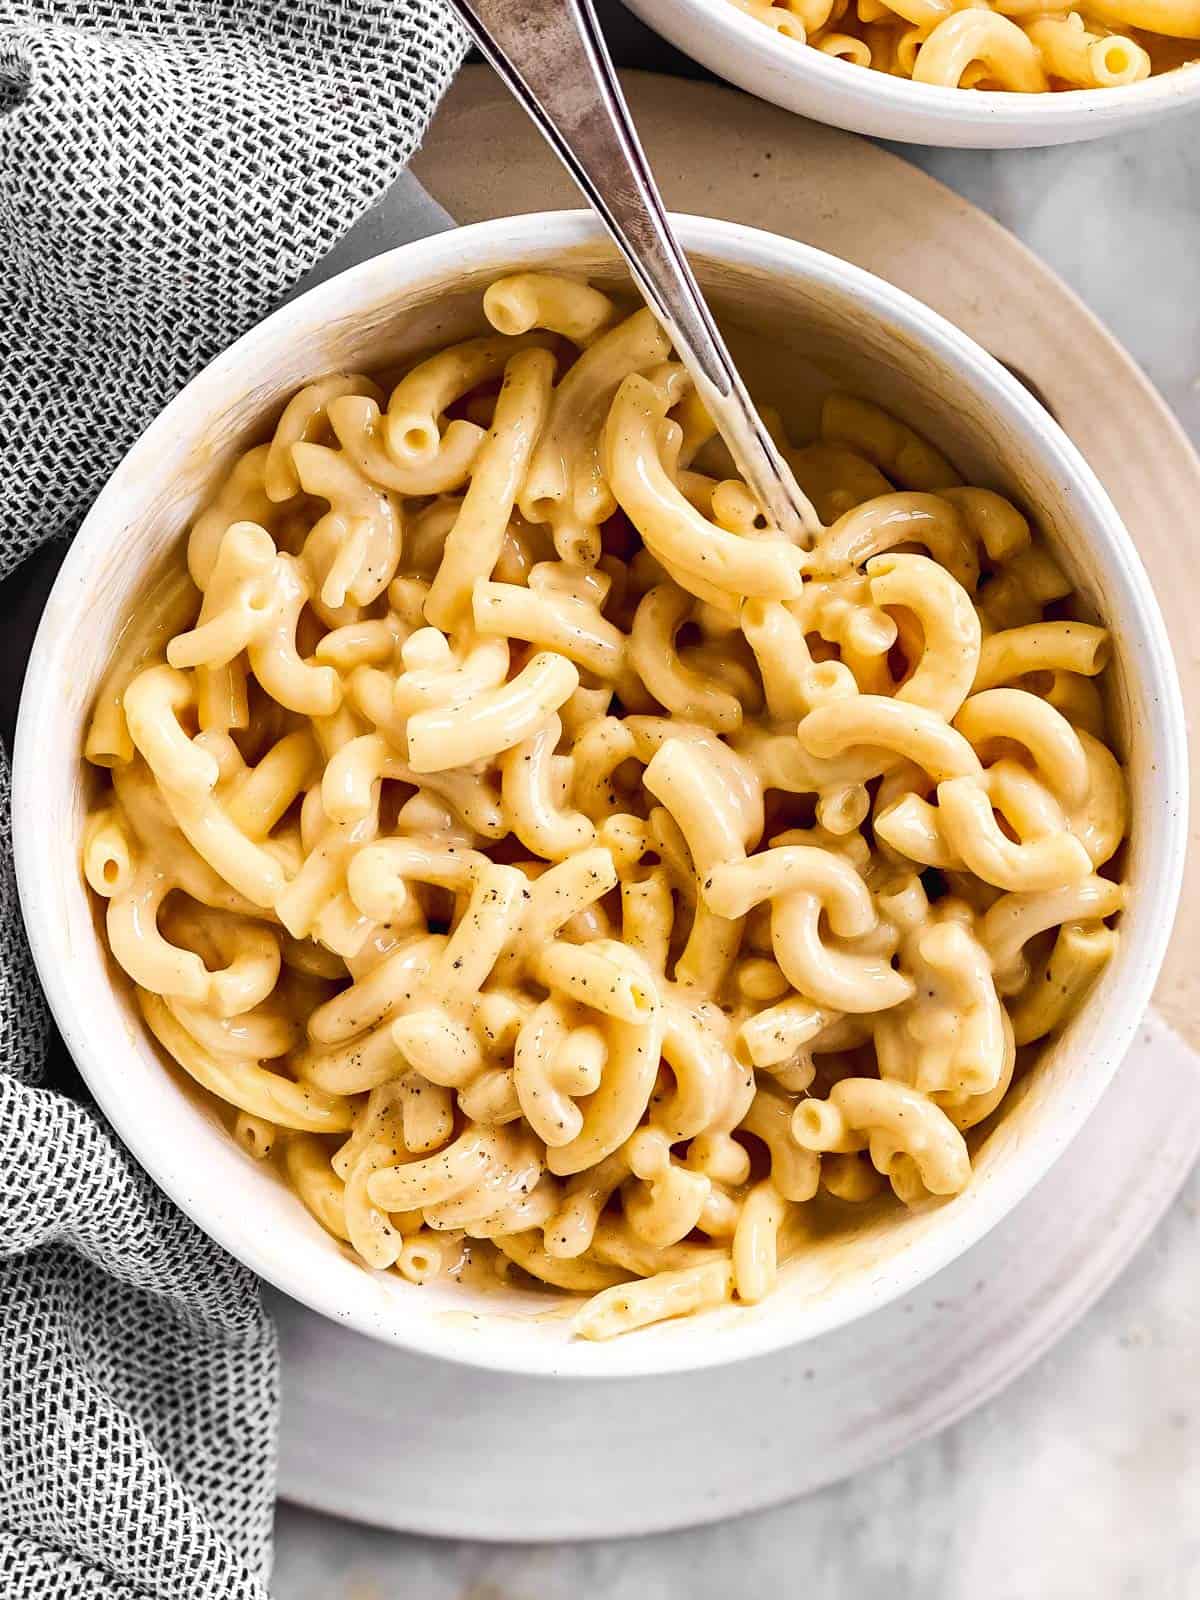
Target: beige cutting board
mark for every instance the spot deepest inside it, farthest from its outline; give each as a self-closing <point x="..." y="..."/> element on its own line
<point x="867" y="1390"/>
<point x="723" y="154"/>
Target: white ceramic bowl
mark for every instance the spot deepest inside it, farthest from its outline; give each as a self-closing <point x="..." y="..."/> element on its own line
<point x="797" y="318"/>
<point x="746" y="52"/>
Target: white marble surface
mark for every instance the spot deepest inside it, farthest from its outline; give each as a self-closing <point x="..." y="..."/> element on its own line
<point x="1120" y="222"/>
<point x="1082" y="1480"/>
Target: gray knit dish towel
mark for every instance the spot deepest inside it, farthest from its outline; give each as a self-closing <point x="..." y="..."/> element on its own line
<point x="169" y="169"/>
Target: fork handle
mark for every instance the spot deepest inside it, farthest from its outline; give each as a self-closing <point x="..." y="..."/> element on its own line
<point x="552" y="56"/>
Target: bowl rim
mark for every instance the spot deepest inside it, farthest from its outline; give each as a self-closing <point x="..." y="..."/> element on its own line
<point x="506" y="241"/>
<point x="903" y="98"/>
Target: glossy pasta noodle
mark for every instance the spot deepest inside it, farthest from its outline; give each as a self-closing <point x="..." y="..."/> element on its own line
<point x="545" y="862"/>
<point x="1026" y="46"/>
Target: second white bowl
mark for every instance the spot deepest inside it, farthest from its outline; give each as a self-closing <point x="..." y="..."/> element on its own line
<point x="744" y="51"/>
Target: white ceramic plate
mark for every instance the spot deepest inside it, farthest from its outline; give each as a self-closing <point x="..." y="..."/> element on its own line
<point x="742" y="50"/>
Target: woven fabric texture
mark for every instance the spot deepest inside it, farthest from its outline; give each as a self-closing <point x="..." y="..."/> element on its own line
<point x="169" y="169"/>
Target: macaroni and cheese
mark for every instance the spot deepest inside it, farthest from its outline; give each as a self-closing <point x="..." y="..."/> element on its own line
<point x="1029" y="46"/>
<point x="543" y="861"/>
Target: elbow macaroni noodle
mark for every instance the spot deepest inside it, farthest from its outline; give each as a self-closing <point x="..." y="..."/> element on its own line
<point x="1026" y="46"/>
<point x="543" y="861"/>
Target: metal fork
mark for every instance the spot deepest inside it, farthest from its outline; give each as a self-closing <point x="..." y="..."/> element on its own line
<point x="553" y="58"/>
